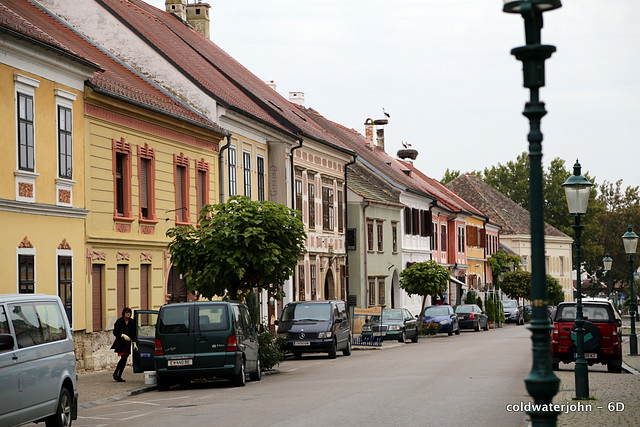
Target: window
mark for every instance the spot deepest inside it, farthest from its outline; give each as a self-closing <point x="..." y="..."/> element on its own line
<point x="121" y="288"/>
<point x="65" y="281"/>
<point x="370" y="236"/>
<point x="65" y="143"/>
<point x="394" y="237"/>
<point x="327" y="209"/>
<point x="37" y="323"/>
<point x="301" y="282"/>
<point x="246" y="165"/>
<point x="96" y="290"/>
<point x="233" y="181"/>
<point x="146" y="182"/>
<point x="122" y="178"/>
<point x="408" y="229"/>
<point x="26" y="269"/>
<point x="182" y="187"/>
<point x="312" y="273"/>
<point x="562" y="266"/>
<point x="461" y="239"/>
<point x="425" y="223"/>
<point x="380" y="237"/>
<point x="312" y="204"/>
<point x="202" y="184"/>
<point x="144" y="286"/>
<point x="26" y="137"/>
<point x="299" y="195"/>
<point x="434" y="238"/>
<point x="415" y="219"/>
<point x="381" y="292"/>
<point x="372" y="291"/>
<point x="340" y="212"/>
<point x="443" y="238"/>
<point x="260" y="168"/>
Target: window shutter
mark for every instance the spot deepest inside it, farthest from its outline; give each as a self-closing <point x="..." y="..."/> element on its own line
<point x="325" y="208"/>
<point x="407" y="221"/>
<point x="144" y="286"/>
<point x="416" y="221"/>
<point x="483" y="238"/>
<point x="96" y="303"/>
<point x="144" y="183"/>
<point x="121" y="300"/>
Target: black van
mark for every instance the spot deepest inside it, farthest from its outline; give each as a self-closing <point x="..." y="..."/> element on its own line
<point x="316" y="327"/>
<point x="192" y="340"/>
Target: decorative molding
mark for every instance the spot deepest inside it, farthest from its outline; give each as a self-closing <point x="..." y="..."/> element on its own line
<point x="98" y="256"/>
<point x="25" y="243"/>
<point x="146" y="256"/>
<point x="64" y="196"/>
<point x="123" y="228"/>
<point x="147" y="229"/>
<point x="64" y="244"/>
<point x="122" y="256"/>
<point x="25" y="189"/>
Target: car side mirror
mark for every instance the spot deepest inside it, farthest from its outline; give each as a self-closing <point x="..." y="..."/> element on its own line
<point x="6" y="342"/>
<point x="276" y="322"/>
<point x="618" y="323"/>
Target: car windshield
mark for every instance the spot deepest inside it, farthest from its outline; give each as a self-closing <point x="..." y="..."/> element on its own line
<point x="392" y="315"/>
<point x="465" y="309"/>
<point x="509" y="304"/>
<point x="315" y="312"/>
<point x="436" y="311"/>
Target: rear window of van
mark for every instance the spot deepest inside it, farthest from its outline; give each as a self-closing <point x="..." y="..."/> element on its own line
<point x="175" y="319"/>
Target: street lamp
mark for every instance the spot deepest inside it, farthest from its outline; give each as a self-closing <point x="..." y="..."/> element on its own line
<point x="630" y="240"/>
<point x="577" y="189"/>
<point x="542" y="384"/>
<point x="607" y="262"/>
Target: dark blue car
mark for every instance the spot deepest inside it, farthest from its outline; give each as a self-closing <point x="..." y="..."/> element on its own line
<point x="444" y="315"/>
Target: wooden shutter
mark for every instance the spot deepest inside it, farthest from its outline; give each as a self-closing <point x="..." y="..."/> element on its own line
<point x="96" y="303"/>
<point x="121" y="286"/>
<point x="483" y="238"/>
<point x="144" y="186"/>
<point x="407" y="221"/>
<point x="144" y="286"/>
<point x="340" y="212"/>
<point x="325" y="208"/>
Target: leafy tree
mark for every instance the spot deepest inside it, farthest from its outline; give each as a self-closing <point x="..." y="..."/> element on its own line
<point x="449" y="176"/>
<point x="470" y="298"/>
<point x="238" y="245"/>
<point x="555" y="294"/>
<point x="424" y="278"/>
<point x="517" y="284"/>
<point x="500" y="260"/>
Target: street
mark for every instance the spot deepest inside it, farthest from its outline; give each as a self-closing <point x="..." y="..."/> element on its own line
<point x="459" y="380"/>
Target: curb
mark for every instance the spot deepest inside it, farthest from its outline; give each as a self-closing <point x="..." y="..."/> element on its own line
<point x="117" y="397"/>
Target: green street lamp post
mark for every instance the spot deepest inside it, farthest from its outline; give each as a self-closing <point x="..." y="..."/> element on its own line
<point x="630" y="240"/>
<point x="577" y="189"/>
<point x="542" y="384"/>
<point x="607" y="262"/>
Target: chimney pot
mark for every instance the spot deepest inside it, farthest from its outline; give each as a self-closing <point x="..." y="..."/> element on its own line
<point x="297" y="98"/>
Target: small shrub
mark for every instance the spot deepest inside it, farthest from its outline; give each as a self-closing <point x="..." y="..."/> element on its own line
<point x="429" y="328"/>
<point x="271" y="349"/>
<point x="470" y="298"/>
<point x="479" y="302"/>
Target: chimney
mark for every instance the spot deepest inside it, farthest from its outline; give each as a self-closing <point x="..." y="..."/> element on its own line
<point x="297" y="98"/>
<point x="177" y="7"/>
<point x="380" y="132"/>
<point x="368" y="130"/>
<point x="271" y="84"/>
<point x="198" y="17"/>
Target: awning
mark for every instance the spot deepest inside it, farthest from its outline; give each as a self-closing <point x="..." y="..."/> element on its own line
<point x="458" y="282"/>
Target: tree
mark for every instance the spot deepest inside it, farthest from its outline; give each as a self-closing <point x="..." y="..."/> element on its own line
<point x="237" y="246"/>
<point x="555" y="294"/>
<point x="449" y="176"/>
<point x="517" y="284"/>
<point x="424" y="278"/>
<point x="500" y="260"/>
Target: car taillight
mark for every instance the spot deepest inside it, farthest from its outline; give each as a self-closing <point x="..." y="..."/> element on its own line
<point x="232" y="343"/>
<point x="471" y="316"/>
<point x="159" y="350"/>
<point x="556" y="331"/>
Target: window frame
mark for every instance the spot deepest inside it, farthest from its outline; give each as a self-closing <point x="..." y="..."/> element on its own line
<point x="67" y="255"/>
<point x="147" y="167"/>
<point x="202" y="183"/>
<point x="122" y="151"/>
<point x="246" y="172"/>
<point x="26" y="255"/>
<point x="261" y="177"/>
<point x="233" y="177"/>
<point x="181" y="186"/>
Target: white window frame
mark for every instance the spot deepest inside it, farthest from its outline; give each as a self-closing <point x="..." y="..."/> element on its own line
<point x="66" y="253"/>
<point x="63" y="99"/>
<point x="27" y="86"/>
<point x="28" y="252"/>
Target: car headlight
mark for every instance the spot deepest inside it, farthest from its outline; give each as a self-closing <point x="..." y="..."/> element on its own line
<point x="394" y="327"/>
<point x="444" y="322"/>
<point x="366" y="328"/>
<point x="324" y="334"/>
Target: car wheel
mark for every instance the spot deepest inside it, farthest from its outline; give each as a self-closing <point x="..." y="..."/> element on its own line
<point x="62" y="417"/>
<point x="486" y="325"/>
<point x="347" y="350"/>
<point x="414" y="338"/>
<point x="297" y="355"/>
<point x="332" y="350"/>
<point x="457" y="330"/>
<point x="614" y="368"/>
<point x="403" y="337"/>
<point x="477" y="327"/>
<point x="257" y="375"/>
<point x="555" y="366"/>
<point x="240" y="380"/>
<point x="162" y="383"/>
<point x="450" y="331"/>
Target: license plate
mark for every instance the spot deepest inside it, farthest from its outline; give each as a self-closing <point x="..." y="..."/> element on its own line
<point x="587" y="355"/>
<point x="379" y="334"/>
<point x="301" y="343"/>
<point x="180" y="362"/>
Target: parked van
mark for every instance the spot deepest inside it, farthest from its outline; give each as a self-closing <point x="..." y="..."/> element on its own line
<point x="202" y="339"/>
<point x="37" y="362"/>
<point x="316" y="327"/>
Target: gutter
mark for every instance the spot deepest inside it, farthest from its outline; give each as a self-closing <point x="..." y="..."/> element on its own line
<point x="221" y="167"/>
<point x="346" y="226"/>
<point x="293" y="174"/>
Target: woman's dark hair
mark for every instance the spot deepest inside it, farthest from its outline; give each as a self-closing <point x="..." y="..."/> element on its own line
<point x="125" y="310"/>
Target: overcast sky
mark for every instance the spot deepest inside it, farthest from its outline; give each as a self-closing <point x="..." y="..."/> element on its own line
<point x="443" y="70"/>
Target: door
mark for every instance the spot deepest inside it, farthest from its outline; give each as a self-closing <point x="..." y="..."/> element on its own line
<point x="213" y="327"/>
<point x="143" y="358"/>
<point x="249" y="339"/>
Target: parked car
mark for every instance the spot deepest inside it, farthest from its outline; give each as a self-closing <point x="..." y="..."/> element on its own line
<point x="513" y="312"/>
<point x="445" y="316"/>
<point x="316" y="327"/>
<point x="394" y="324"/>
<point x="192" y="340"/>
<point x="470" y="316"/>
<point x="602" y="343"/>
<point x="37" y="362"/>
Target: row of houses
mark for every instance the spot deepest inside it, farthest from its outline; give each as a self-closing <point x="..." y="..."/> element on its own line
<point x="123" y="120"/>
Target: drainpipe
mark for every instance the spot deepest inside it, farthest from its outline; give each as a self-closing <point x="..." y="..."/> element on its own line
<point x="346" y="226"/>
<point x="221" y="167"/>
<point x="366" y="249"/>
<point x="293" y="206"/>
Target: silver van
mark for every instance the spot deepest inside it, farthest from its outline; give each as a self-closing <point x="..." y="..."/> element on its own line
<point x="37" y="362"/>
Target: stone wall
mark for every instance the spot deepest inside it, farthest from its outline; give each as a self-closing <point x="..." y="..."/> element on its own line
<point x="93" y="350"/>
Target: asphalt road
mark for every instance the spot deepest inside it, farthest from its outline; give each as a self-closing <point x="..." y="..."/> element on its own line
<point x="440" y="381"/>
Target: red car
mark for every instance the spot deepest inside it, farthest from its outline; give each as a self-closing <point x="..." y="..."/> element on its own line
<point x="602" y="343"/>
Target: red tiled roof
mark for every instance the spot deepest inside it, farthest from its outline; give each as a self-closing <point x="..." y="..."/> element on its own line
<point x="115" y="77"/>
<point x="212" y="69"/>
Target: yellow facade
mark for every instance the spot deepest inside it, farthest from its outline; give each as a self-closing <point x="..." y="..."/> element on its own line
<point x="475" y="255"/>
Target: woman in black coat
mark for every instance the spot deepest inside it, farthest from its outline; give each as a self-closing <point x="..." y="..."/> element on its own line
<point x="125" y="333"/>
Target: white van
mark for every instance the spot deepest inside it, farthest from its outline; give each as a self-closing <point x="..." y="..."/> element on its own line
<point x="37" y="362"/>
